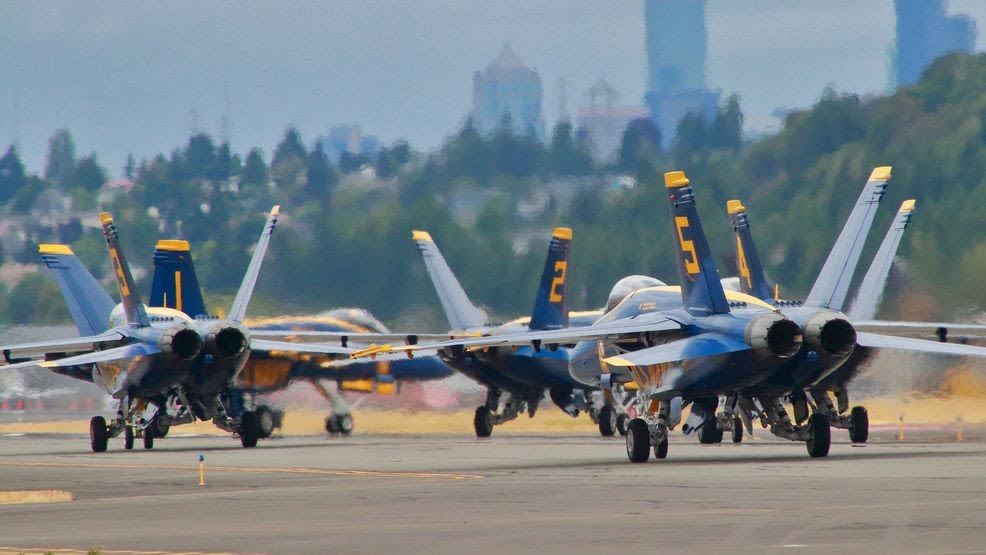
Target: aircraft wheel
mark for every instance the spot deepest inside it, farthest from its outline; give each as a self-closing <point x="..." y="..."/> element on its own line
<point x="638" y="441"/>
<point x="331" y="424"/>
<point x="345" y="423"/>
<point x="707" y="433"/>
<point x="483" y="421"/>
<point x="607" y="421"/>
<point x="128" y="437"/>
<point x="819" y="435"/>
<point x="160" y="427"/>
<point x="737" y="430"/>
<point x="98" y="434"/>
<point x="266" y="420"/>
<point x="859" y="426"/>
<point x="249" y="429"/>
<point x="661" y="449"/>
<point x="621" y="423"/>
<point x="149" y="437"/>
<point x="719" y="434"/>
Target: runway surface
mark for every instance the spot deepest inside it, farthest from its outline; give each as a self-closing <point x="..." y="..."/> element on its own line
<point x="508" y="494"/>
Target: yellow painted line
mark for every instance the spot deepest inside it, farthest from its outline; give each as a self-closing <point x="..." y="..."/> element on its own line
<point x="35" y="496"/>
<point x="254" y="470"/>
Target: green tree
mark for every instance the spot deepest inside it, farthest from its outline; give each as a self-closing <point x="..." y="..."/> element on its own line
<point x="566" y="156"/>
<point x="321" y="177"/>
<point x="641" y="140"/>
<point x="89" y="175"/>
<point x="254" y="169"/>
<point x="12" y="176"/>
<point x="61" y="158"/>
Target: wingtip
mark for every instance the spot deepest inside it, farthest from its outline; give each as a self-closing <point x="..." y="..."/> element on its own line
<point x="675" y="179"/>
<point x="881" y="173"/>
<point x="734" y="207"/>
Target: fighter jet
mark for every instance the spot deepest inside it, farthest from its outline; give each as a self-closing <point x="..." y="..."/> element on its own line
<point x="163" y="367"/>
<point x="524" y="372"/>
<point x="832" y="339"/>
<point x="175" y="285"/>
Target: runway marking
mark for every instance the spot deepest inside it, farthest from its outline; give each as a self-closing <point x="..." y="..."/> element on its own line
<point x="17" y="497"/>
<point x="253" y="470"/>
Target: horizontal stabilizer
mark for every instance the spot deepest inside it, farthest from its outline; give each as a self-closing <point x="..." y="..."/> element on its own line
<point x="65" y="345"/>
<point x="287" y="347"/>
<point x="119" y="353"/>
<point x="705" y="345"/>
<point x="36" y="363"/>
<point x="345" y="338"/>
<point x="877" y="341"/>
<point x="918" y="327"/>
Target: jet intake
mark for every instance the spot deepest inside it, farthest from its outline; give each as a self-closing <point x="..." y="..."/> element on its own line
<point x="831" y="333"/>
<point x="180" y="342"/>
<point x="775" y="334"/>
<point x="226" y="339"/>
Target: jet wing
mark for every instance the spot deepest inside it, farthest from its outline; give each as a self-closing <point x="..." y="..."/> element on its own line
<point x="345" y="338"/>
<point x="300" y="348"/>
<point x="928" y="328"/>
<point x="119" y="353"/>
<point x="705" y="345"/>
<point x="653" y="322"/>
<point x="65" y="345"/>
<point x="877" y="341"/>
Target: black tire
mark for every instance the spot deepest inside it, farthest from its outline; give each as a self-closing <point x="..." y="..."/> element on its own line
<point x="128" y="437"/>
<point x="661" y="449"/>
<point x="819" y="435"/>
<point x="265" y="419"/>
<point x="482" y="422"/>
<point x="719" y="434"/>
<point x="99" y="436"/>
<point x="737" y="430"/>
<point x="621" y="423"/>
<point x="607" y="421"/>
<point x="638" y="441"/>
<point x="149" y="437"/>
<point x="708" y="432"/>
<point x="331" y="424"/>
<point x="160" y="427"/>
<point x="249" y="429"/>
<point x="859" y="426"/>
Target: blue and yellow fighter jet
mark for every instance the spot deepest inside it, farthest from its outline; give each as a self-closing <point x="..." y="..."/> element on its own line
<point x="175" y="285"/>
<point x="837" y="345"/>
<point x="164" y="367"/>
<point x="523" y="372"/>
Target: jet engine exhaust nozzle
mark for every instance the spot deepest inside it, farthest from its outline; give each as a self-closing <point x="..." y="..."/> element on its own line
<point x="774" y="334"/>
<point x="838" y="337"/>
<point x="180" y="342"/>
<point x="226" y="339"/>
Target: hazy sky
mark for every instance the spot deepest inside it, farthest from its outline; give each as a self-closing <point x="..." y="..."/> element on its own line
<point x="127" y="76"/>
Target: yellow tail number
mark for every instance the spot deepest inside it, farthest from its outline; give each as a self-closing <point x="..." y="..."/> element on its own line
<point x="687" y="247"/>
<point x="561" y="269"/>
<point x="118" y="269"/>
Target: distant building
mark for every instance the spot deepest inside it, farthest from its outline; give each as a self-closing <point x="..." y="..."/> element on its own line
<point x="676" y="52"/>
<point x="507" y="87"/>
<point x="348" y="138"/>
<point x="604" y="119"/>
<point x="925" y="32"/>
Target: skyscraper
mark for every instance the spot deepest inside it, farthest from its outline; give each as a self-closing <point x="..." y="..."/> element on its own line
<point x="507" y="87"/>
<point x="925" y="32"/>
<point x="676" y="52"/>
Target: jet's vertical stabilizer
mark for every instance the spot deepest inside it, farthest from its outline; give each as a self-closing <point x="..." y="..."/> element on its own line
<point x="133" y="308"/>
<point x="701" y="290"/>
<point x="551" y="305"/>
<point x="832" y="284"/>
<point x="871" y="290"/>
<point x="238" y="311"/>
<point x="751" y="276"/>
<point x="459" y="310"/>
<point x="88" y="303"/>
<point x="175" y="284"/>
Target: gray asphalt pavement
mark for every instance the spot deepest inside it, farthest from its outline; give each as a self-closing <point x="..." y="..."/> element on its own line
<point x="518" y="494"/>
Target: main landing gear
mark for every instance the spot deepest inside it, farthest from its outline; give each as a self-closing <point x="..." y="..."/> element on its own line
<point x="486" y="417"/>
<point x="857" y="421"/>
<point x="816" y="434"/>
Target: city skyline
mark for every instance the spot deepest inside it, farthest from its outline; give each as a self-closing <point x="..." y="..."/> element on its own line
<point x="128" y="78"/>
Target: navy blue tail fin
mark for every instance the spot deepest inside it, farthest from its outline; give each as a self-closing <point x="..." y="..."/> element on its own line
<point x="751" y="276"/>
<point x="88" y="303"/>
<point x="701" y="290"/>
<point x="551" y="305"/>
<point x="175" y="284"/>
<point x="133" y="308"/>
